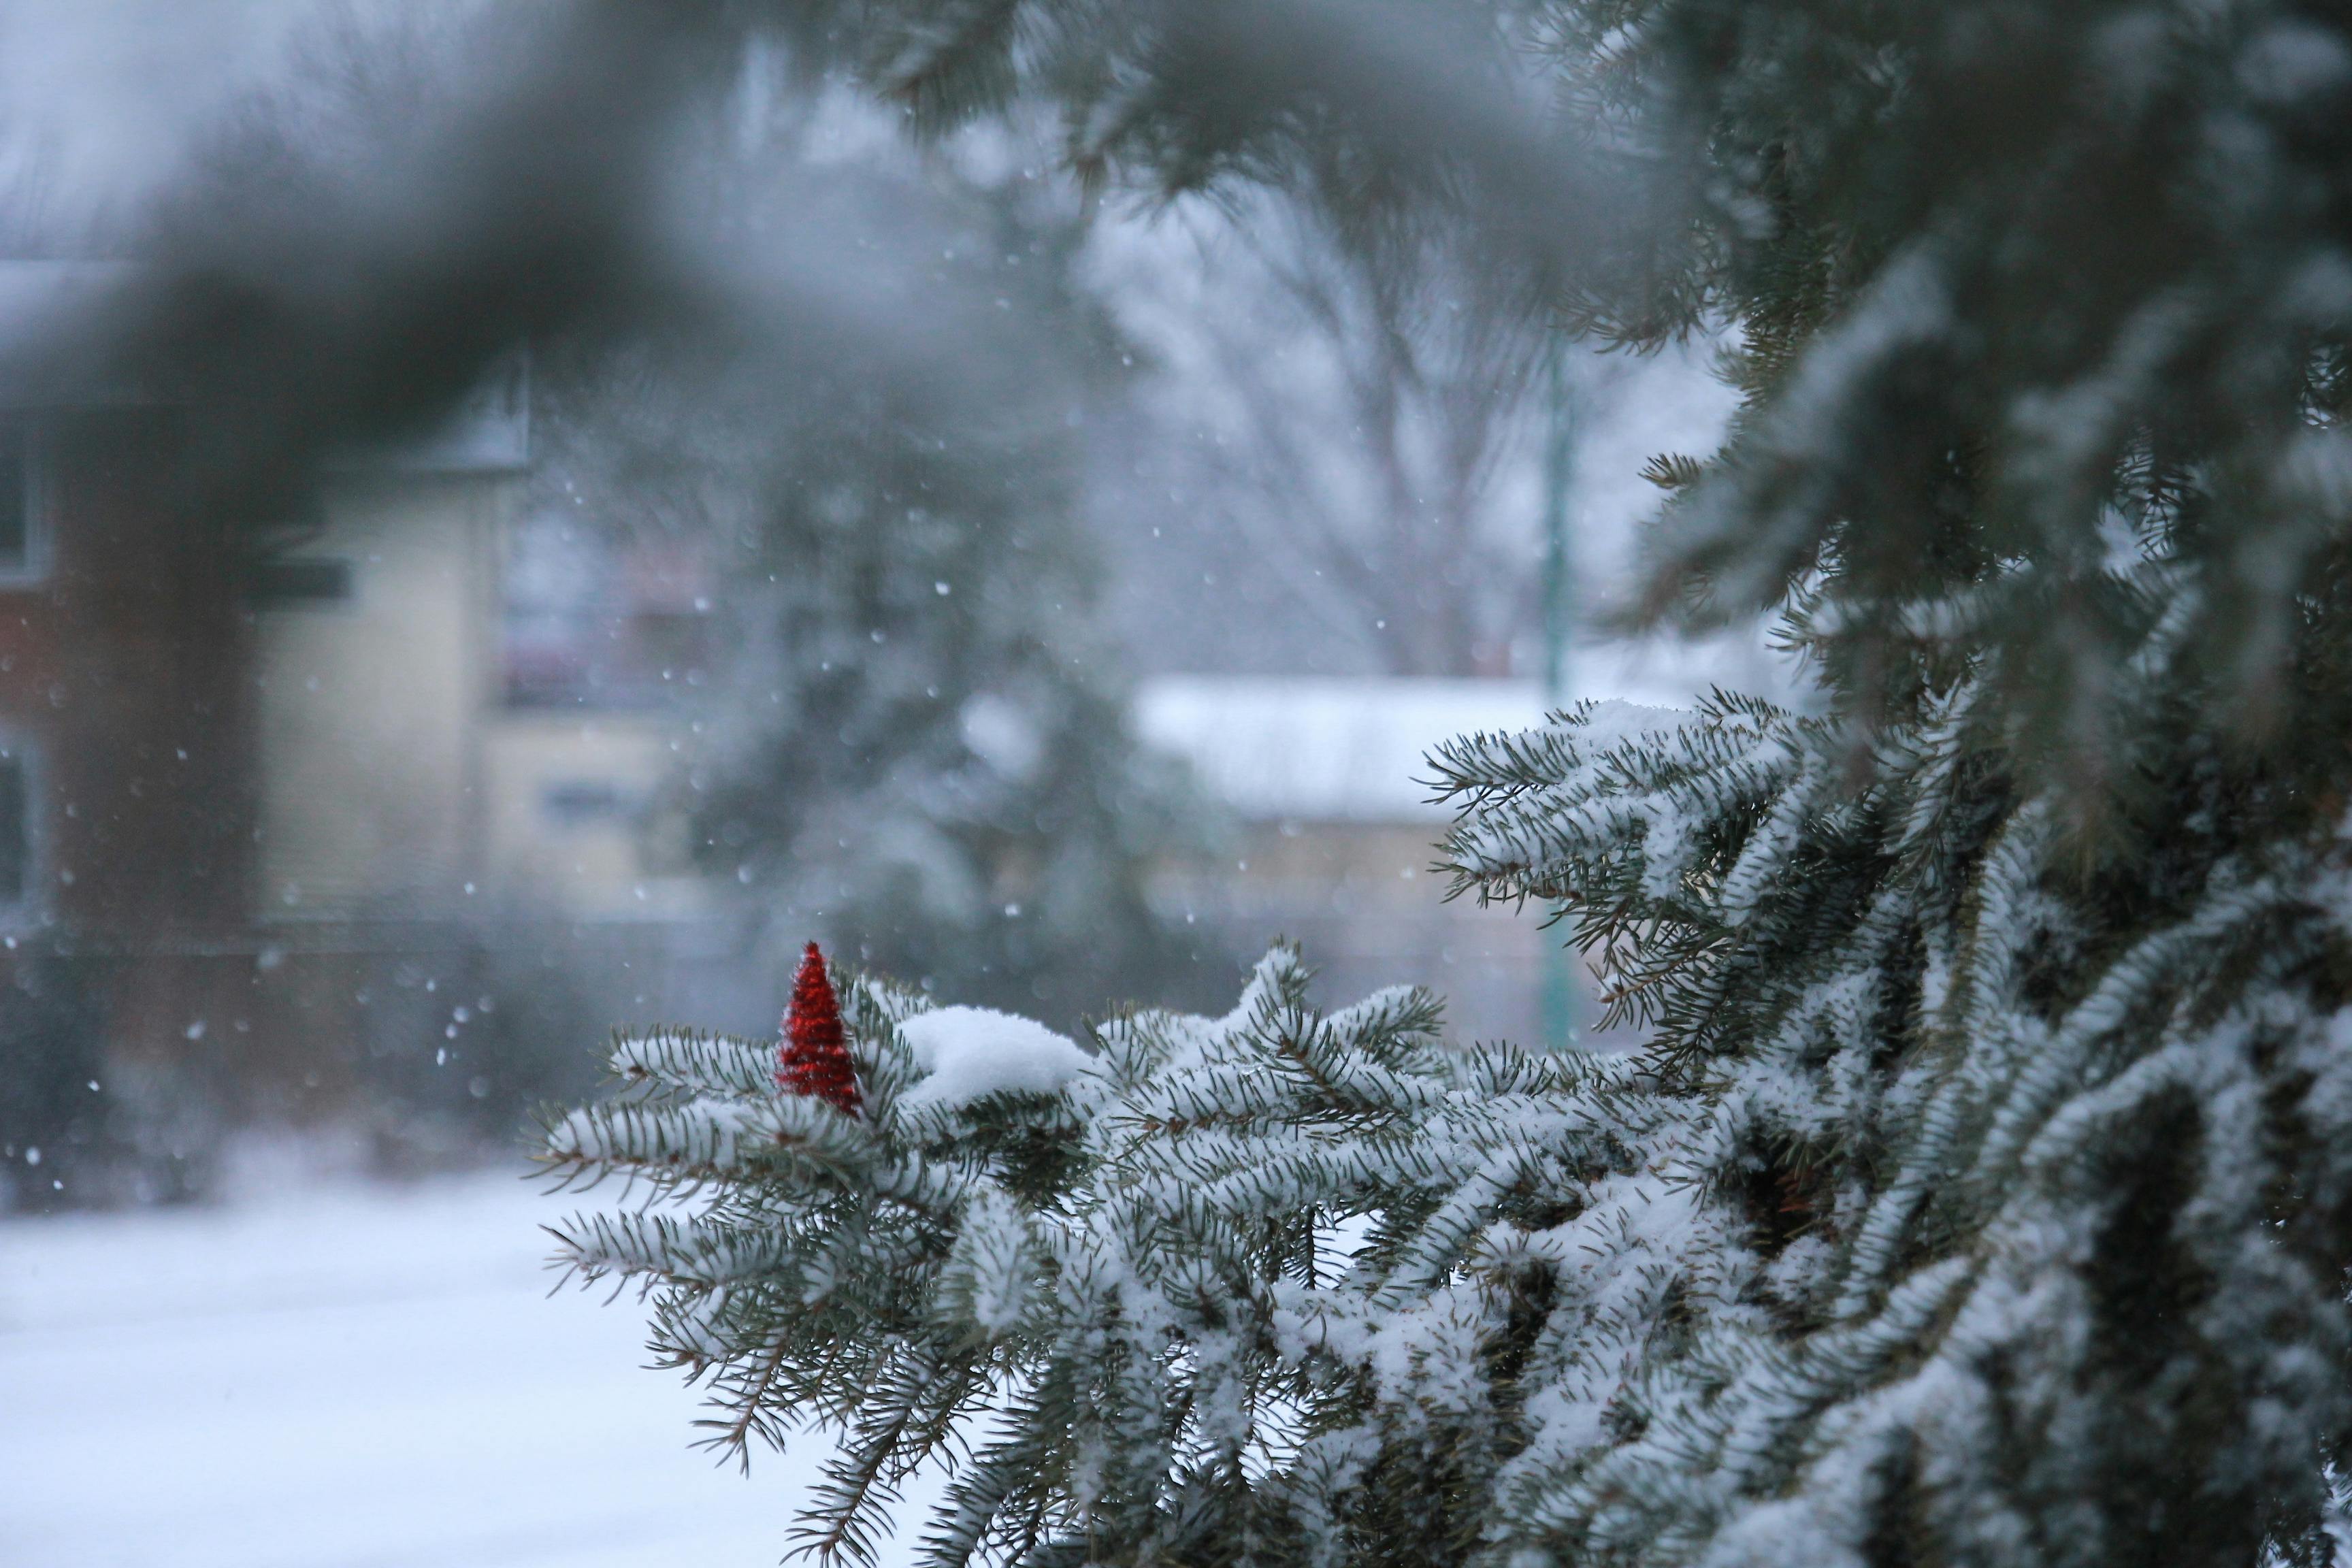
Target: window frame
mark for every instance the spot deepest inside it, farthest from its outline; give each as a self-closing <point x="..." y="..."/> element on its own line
<point x="31" y="908"/>
<point x="33" y="454"/>
<point x="261" y="598"/>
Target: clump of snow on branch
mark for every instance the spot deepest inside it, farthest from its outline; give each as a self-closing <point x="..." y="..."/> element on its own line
<point x="1326" y="1282"/>
<point x="968" y="1053"/>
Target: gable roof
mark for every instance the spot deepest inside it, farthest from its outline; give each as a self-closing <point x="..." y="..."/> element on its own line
<point x="1319" y="748"/>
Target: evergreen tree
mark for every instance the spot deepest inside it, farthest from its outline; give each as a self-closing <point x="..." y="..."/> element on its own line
<point x="909" y="728"/>
<point x="1962" y="1206"/>
<point x="1981" y="1189"/>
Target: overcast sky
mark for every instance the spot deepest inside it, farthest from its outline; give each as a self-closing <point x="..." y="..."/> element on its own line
<point x="107" y="93"/>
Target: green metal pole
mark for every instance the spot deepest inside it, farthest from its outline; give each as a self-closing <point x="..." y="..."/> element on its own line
<point x="1559" y="987"/>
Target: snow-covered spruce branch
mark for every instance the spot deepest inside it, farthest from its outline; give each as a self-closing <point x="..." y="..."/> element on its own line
<point x="1939" y="1201"/>
<point x="1143" y="1287"/>
<point x="2018" y="1192"/>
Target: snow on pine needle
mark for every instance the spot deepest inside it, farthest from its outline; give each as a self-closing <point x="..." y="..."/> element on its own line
<point x="1211" y="1264"/>
<point x="2019" y="1182"/>
<point x="1937" y="1199"/>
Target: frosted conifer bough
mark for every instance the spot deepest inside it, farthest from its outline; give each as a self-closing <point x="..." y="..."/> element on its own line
<point x="1216" y="1265"/>
<point x="1933" y="1208"/>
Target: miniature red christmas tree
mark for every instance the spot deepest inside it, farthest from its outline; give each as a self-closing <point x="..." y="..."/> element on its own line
<point x="816" y="1056"/>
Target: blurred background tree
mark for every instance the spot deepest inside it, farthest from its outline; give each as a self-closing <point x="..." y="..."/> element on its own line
<point x="913" y="737"/>
<point x="1347" y="428"/>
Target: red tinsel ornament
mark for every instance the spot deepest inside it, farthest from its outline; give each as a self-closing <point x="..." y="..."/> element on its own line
<point x="815" y="1055"/>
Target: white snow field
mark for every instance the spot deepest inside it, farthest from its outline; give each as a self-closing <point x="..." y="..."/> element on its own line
<point x="358" y="1377"/>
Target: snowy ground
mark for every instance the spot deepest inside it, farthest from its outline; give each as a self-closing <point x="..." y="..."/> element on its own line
<point x="356" y="1378"/>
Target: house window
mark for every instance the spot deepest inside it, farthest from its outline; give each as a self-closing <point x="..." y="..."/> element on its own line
<point x="21" y="531"/>
<point x="575" y="802"/>
<point x="15" y="828"/>
<point x="282" y="580"/>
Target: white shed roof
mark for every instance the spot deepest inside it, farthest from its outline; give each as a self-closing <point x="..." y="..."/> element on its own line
<point x="1323" y="749"/>
<point x="1319" y="748"/>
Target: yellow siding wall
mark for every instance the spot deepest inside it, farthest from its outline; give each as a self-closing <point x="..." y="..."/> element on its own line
<point x="369" y="707"/>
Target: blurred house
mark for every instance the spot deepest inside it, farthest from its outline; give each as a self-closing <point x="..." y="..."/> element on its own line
<point x="1339" y="839"/>
<point x="281" y="821"/>
<point x="442" y="733"/>
<point x="365" y="808"/>
<point x="461" y="747"/>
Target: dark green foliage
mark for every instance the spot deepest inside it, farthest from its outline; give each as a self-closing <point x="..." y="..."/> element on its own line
<point x="61" y="1134"/>
<point x="1980" y="1190"/>
<point x="1179" y="1309"/>
<point x="1960" y="1208"/>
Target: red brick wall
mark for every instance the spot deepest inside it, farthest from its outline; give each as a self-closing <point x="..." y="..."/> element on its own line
<point x="126" y="667"/>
